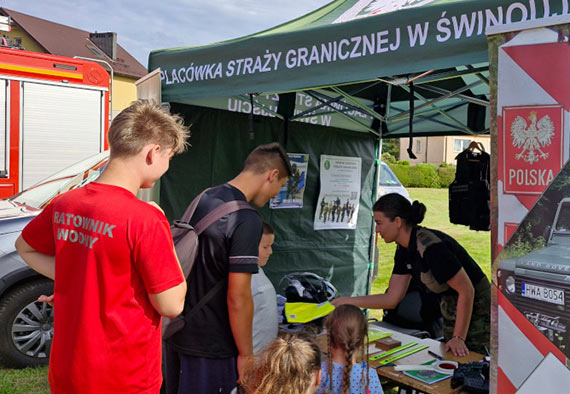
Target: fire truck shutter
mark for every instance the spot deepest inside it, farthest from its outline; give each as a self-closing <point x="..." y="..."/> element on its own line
<point x="61" y="126"/>
<point x="3" y="126"/>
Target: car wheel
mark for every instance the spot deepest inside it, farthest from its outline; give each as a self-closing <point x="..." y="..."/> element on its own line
<point x="27" y="325"/>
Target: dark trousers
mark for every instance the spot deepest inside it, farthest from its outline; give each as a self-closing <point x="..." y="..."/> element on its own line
<point x="187" y="374"/>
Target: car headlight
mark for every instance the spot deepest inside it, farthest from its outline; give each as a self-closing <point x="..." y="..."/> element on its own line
<point x="510" y="284"/>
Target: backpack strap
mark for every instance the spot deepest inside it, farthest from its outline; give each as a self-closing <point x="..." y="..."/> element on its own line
<point x="212" y="217"/>
<point x="204" y="300"/>
<point x="219" y="212"/>
<point x="192" y="208"/>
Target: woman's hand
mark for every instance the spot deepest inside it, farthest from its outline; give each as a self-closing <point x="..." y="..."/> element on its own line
<point x="341" y="301"/>
<point x="389" y="300"/>
<point x="457" y="346"/>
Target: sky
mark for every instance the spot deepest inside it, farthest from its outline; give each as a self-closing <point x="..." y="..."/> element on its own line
<point x="144" y="25"/>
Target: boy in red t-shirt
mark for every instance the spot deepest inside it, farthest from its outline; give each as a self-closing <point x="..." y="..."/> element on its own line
<point x="114" y="260"/>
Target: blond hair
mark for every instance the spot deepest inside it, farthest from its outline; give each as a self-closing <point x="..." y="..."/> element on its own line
<point x="145" y="122"/>
<point x="348" y="330"/>
<point x="287" y="365"/>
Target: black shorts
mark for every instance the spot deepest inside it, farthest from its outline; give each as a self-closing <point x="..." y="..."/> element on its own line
<point x="188" y="374"/>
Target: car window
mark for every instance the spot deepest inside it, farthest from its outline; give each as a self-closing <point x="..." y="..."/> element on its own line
<point x="563" y="222"/>
<point x="387" y="177"/>
<point x="77" y="175"/>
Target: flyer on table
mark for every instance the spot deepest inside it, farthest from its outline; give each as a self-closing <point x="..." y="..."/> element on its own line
<point x="337" y="207"/>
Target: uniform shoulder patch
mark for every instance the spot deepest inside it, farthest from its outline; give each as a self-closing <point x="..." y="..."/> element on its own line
<point x="424" y="239"/>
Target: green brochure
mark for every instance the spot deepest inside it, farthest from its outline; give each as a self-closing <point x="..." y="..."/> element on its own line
<point x="429" y="377"/>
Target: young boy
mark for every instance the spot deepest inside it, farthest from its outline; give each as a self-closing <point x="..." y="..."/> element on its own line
<point x="212" y="351"/>
<point x="265" y="319"/>
<point x="114" y="261"/>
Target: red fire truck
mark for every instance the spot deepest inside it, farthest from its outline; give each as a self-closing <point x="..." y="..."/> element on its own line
<point x="54" y="111"/>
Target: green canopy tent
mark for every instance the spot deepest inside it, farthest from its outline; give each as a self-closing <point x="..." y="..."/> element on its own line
<point x="350" y="66"/>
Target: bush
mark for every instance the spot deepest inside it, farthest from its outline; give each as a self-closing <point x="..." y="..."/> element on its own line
<point x="423" y="175"/>
<point x="401" y="172"/>
<point x="446" y="176"/>
<point x="388" y="158"/>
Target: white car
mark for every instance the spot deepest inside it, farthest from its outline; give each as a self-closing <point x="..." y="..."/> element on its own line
<point x="26" y="325"/>
<point x="389" y="183"/>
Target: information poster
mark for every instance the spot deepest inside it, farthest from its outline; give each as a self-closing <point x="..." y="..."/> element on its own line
<point x="337" y="207"/>
<point x="291" y="195"/>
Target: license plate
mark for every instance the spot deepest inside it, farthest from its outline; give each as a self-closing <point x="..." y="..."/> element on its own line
<point x="547" y="294"/>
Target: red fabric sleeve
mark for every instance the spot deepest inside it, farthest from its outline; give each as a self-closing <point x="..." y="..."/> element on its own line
<point x="39" y="233"/>
<point x="155" y="260"/>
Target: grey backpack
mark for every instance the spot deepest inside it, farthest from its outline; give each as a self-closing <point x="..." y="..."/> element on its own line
<point x="186" y="244"/>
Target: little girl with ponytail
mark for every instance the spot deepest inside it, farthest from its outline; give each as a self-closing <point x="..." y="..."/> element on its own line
<point x="345" y="370"/>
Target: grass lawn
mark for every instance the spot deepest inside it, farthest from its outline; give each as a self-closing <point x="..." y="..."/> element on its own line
<point x="19" y="381"/>
<point x="477" y="243"/>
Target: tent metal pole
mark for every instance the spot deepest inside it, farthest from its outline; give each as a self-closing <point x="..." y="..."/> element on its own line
<point x="322" y="105"/>
<point x="343" y="103"/>
<point x="346" y="116"/>
<point x="334" y="99"/>
<point x="388" y="102"/>
<point x="473" y="100"/>
<point x="446" y="75"/>
<point x="431" y="112"/>
<point x="326" y="98"/>
<point x="325" y="103"/>
<point x="443" y="113"/>
<point x="373" y="252"/>
<point x="478" y="74"/>
<point x="432" y="103"/>
<point x="358" y="104"/>
<point x="429" y="118"/>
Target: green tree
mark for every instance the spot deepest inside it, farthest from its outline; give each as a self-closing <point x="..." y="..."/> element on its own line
<point x="392" y="147"/>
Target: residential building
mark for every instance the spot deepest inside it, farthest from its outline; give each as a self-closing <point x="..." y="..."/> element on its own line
<point x="437" y="150"/>
<point x="40" y="35"/>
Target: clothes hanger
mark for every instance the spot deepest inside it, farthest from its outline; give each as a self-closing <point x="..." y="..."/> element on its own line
<point x="472" y="146"/>
<point x="476" y="145"/>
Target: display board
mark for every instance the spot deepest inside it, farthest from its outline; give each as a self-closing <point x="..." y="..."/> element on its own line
<point x="531" y="204"/>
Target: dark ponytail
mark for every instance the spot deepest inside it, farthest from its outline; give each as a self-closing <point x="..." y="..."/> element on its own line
<point x="418" y="213"/>
<point x="394" y="204"/>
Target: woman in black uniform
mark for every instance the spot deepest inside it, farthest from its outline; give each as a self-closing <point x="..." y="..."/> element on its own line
<point x="441" y="264"/>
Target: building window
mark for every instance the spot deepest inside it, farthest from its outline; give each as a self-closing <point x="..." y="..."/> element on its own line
<point x="418" y="146"/>
<point x="95" y="51"/>
<point x="460" y="144"/>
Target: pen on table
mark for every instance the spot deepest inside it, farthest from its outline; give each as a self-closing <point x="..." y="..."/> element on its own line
<point x="435" y="355"/>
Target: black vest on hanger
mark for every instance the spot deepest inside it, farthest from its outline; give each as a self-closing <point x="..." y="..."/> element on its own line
<point x="470" y="192"/>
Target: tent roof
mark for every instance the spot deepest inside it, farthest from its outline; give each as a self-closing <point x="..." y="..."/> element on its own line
<point x="345" y="43"/>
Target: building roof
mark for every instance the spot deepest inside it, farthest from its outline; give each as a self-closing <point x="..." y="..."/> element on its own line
<point x="63" y="40"/>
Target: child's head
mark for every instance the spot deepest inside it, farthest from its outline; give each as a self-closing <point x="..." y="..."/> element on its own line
<point x="142" y="123"/>
<point x="288" y="365"/>
<point x="348" y="331"/>
<point x="347" y="327"/>
<point x="267" y="240"/>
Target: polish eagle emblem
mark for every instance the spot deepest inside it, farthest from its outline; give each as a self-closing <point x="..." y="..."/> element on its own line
<point x="532" y="136"/>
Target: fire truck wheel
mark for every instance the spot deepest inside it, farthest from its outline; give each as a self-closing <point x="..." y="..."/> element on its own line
<point x="27" y="325"/>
